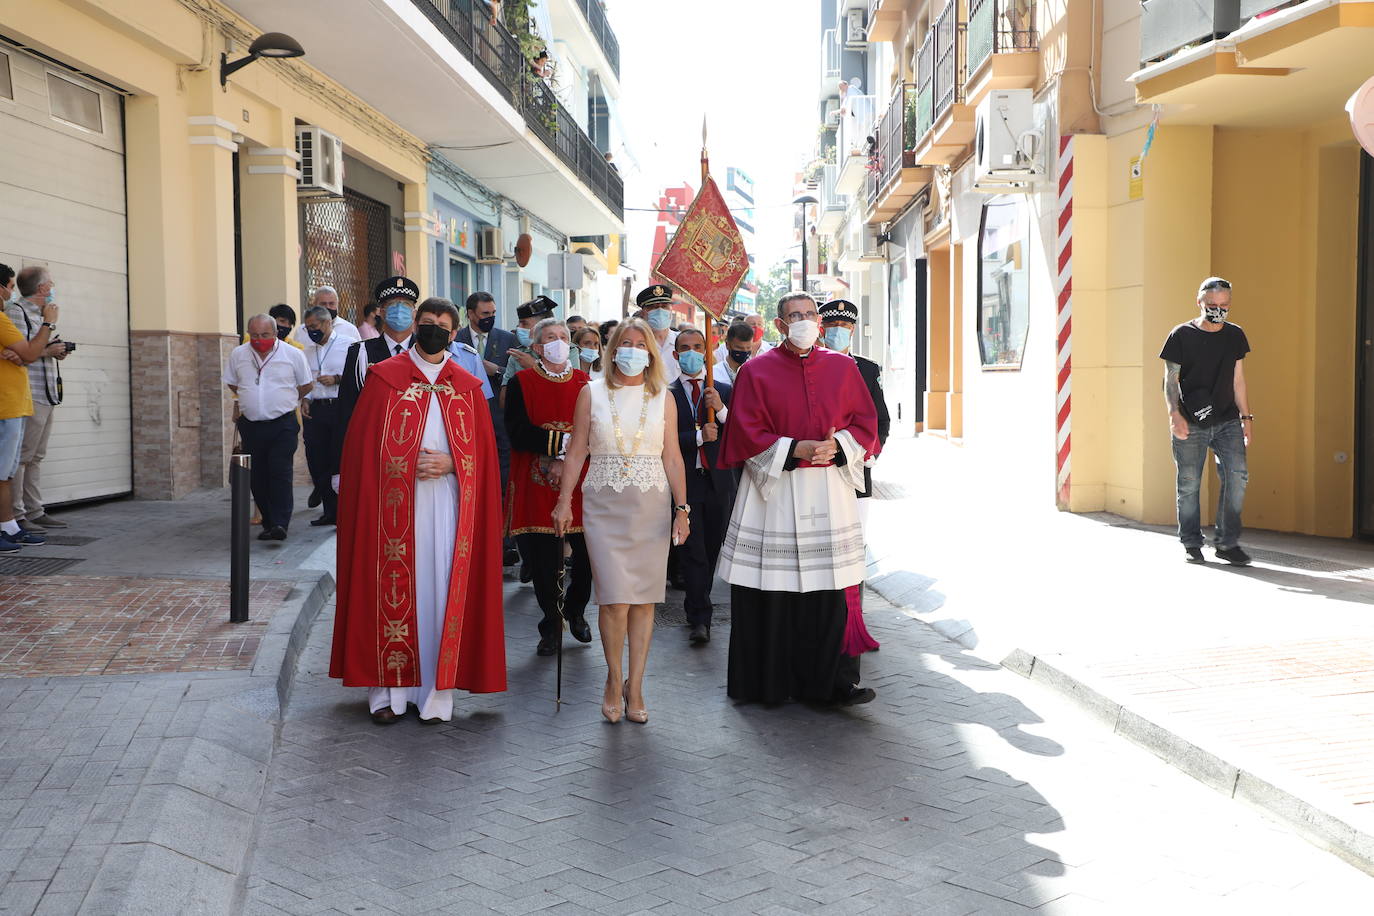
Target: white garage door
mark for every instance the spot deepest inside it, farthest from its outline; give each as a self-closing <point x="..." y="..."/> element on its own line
<point x="62" y="205"/>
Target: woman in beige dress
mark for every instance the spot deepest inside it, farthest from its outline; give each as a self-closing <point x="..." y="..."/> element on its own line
<point x="628" y="425"/>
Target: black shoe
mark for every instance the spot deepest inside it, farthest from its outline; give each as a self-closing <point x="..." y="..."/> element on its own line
<point x="579" y="628"/>
<point x="316" y="497"/>
<point x="510" y="557"/>
<point x="1233" y="555"/>
<point x="384" y="716"/>
<point x="700" y="635"/>
<point x="276" y="533"/>
<point x="677" y="585"/>
<point x="856" y="696"/>
<point x="265" y="534"/>
<point x="547" y="646"/>
<point x="526" y="574"/>
<point x="1194" y="555"/>
<point x="322" y="521"/>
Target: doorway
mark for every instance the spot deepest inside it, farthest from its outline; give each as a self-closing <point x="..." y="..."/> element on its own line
<point x="459" y="281"/>
<point x="1364" y="358"/>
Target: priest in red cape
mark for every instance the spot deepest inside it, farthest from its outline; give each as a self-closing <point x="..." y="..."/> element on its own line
<point x="801" y="424"/>
<point x="419" y="539"/>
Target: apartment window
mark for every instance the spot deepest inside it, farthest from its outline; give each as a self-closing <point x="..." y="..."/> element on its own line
<point x="1003" y="282"/>
<point x="6" y="84"/>
<point x="74" y="103"/>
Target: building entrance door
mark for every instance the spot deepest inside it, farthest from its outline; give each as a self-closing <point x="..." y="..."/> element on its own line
<point x="459" y="284"/>
<point x="1364" y="359"/>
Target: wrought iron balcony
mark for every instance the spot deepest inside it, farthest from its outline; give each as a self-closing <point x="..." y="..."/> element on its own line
<point x="1000" y="27"/>
<point x="950" y="55"/>
<point x="896" y="139"/>
<point x="601" y="28"/>
<point x="496" y="54"/>
<point x="924" y="106"/>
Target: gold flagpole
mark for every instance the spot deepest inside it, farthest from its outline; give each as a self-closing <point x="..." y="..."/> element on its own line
<point x="710" y="334"/>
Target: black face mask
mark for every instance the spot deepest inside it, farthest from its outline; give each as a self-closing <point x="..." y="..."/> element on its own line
<point x="431" y="338"/>
<point x="282" y="332"/>
<point x="486" y="324"/>
<point x="333" y="313"/>
<point x="739" y="356"/>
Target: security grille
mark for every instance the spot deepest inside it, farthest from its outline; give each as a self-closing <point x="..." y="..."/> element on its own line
<point x="35" y="566"/>
<point x="344" y="244"/>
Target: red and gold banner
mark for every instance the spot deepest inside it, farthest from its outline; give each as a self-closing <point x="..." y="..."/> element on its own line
<point x="706" y="259"/>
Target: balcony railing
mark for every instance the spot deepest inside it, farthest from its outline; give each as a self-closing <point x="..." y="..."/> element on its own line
<point x="924" y="114"/>
<point x="830" y="56"/>
<point x="856" y="126"/>
<point x="595" y="14"/>
<point x="949" y="59"/>
<point x="496" y="53"/>
<point x="896" y="137"/>
<point x="1000" y="27"/>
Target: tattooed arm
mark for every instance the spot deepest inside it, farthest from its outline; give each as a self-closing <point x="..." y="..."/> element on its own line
<point x="1173" y="399"/>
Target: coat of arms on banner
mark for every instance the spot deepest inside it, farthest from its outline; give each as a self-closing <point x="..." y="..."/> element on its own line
<point x="706" y="259"/>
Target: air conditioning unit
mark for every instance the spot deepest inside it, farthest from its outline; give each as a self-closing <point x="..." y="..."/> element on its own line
<point x="490" y="249"/>
<point x="855" y="35"/>
<point x="1008" y="148"/>
<point x="874" y="240"/>
<point x="322" y="164"/>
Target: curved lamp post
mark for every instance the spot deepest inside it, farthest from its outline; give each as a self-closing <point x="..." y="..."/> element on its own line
<point x="268" y="44"/>
<point x="802" y="202"/>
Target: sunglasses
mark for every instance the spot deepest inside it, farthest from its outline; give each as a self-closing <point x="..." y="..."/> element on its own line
<point x="1216" y="283"/>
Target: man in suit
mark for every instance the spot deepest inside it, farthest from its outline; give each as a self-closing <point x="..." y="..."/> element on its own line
<point x="710" y="490"/>
<point x="396" y="298"/>
<point x="494" y="346"/>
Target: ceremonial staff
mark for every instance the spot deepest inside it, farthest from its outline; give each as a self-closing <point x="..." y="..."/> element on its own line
<point x="710" y="319"/>
<point x="562" y="624"/>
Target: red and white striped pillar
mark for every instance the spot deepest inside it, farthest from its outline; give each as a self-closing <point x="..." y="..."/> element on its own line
<point x="1064" y="343"/>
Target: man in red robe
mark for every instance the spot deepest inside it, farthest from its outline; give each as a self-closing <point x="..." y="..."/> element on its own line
<point x="419" y="563"/>
<point x="801" y="424"/>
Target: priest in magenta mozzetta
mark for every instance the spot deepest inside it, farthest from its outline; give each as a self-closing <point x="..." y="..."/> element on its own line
<point x="801" y="424"/>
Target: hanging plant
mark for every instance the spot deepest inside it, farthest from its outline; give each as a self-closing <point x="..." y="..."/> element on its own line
<point x="534" y="49"/>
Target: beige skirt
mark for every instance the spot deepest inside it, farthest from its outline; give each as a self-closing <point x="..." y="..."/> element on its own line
<point x="628" y="532"/>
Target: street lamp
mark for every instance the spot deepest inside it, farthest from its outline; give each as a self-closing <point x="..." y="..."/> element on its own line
<point x="791" y="264"/>
<point x="802" y="202"/>
<point x="268" y="44"/>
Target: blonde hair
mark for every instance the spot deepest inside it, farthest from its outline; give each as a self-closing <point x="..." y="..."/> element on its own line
<point x="653" y="373"/>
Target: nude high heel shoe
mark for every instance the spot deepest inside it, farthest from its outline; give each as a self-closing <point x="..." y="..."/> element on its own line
<point x="612" y="713"/>
<point x="634" y="715"/>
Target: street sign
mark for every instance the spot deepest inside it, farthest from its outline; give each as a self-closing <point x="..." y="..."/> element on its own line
<point x="565" y="270"/>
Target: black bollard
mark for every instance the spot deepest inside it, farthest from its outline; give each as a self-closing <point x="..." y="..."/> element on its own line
<point x="240" y="498"/>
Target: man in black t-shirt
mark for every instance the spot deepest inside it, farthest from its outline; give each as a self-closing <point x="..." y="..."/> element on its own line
<point x="1204" y="388"/>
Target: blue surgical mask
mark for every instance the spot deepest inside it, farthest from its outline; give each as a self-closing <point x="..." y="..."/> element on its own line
<point x="631" y="360"/>
<point x="691" y="362"/>
<point x="588" y="354"/>
<point x="399" y="316"/>
<point x="838" y="338"/>
<point x="660" y="319"/>
<point x="523" y="336"/>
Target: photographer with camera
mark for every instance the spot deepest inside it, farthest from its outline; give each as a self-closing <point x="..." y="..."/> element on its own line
<point x="45" y="385"/>
<point x="16" y="406"/>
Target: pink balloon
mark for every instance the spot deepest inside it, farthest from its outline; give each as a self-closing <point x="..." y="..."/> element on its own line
<point x="1361" y="111"/>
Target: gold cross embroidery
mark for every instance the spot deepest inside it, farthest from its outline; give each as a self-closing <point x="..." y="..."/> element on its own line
<point x="403" y="434"/>
<point x="397" y="467"/>
<point x="396" y="630"/>
<point x="394" y="548"/>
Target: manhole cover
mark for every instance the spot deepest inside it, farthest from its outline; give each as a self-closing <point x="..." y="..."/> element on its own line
<point x="35" y="566"/>
<point x="70" y="540"/>
<point x="1275" y="558"/>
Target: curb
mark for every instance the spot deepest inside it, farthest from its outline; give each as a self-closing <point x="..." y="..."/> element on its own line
<point x="1304" y="809"/>
<point x="186" y="845"/>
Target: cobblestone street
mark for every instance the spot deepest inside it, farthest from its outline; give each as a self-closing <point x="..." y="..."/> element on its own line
<point x="963" y="789"/>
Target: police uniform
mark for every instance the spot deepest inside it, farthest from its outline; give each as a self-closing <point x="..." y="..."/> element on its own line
<point x="654" y="297"/>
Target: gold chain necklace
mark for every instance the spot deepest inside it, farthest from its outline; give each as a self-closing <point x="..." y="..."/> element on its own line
<point x="619" y="438"/>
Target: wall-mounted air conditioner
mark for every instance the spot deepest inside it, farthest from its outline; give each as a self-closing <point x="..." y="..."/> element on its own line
<point x="490" y="248"/>
<point x="322" y="163"/>
<point x="874" y="244"/>
<point x="855" y="35"/>
<point x="1008" y="148"/>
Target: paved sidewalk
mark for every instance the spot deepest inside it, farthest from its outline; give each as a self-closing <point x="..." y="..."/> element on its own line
<point x="138" y="722"/>
<point x="1258" y="681"/>
<point x="963" y="789"/>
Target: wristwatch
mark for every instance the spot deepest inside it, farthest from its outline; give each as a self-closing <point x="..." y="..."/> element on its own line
<point x="1247" y="416"/>
<point x="49" y="325"/>
<point x="687" y="509"/>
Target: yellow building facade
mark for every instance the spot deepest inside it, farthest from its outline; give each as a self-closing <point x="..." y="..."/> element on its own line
<point x="212" y="212"/>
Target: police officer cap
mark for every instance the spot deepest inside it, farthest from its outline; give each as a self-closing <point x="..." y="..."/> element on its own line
<point x="841" y="309"/>
<point x="654" y="296"/>
<point x="397" y="288"/>
<point x="536" y="308"/>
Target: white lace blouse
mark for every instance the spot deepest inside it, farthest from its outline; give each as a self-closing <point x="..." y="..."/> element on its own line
<point x="608" y="466"/>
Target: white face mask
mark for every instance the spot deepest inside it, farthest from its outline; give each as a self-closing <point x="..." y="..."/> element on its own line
<point x="803" y="334"/>
<point x="556" y="352"/>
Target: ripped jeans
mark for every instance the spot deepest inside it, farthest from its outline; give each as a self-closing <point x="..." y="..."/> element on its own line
<point x="1227" y="441"/>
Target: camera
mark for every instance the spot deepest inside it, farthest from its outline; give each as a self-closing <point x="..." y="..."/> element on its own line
<point x="69" y="345"/>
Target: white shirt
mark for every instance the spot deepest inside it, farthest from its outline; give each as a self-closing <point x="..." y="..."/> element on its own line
<point x="721" y="415"/>
<point x="327" y="359"/>
<point x="267" y="388"/>
<point x="722" y="374"/>
<point x="665" y="356"/>
<point x="344" y="329"/>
